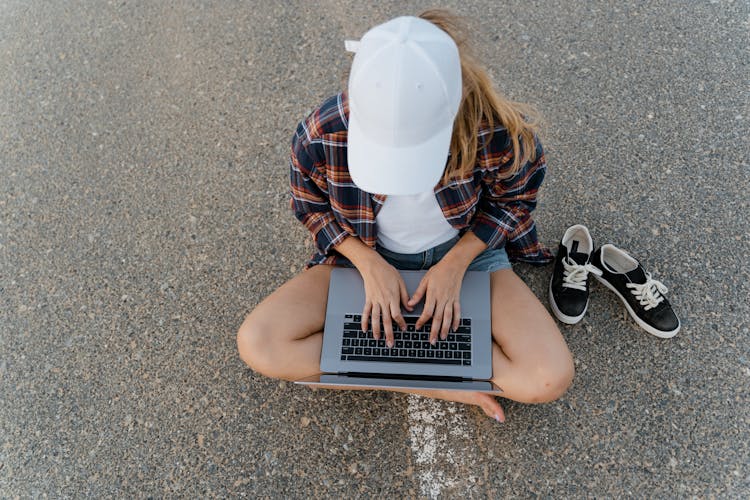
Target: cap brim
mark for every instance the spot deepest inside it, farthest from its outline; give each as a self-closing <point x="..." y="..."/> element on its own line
<point x="396" y="171"/>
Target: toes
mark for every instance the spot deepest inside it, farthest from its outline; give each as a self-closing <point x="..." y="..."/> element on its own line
<point x="491" y="407"/>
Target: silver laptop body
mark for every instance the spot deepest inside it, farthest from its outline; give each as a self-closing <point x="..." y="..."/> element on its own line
<point x="342" y="367"/>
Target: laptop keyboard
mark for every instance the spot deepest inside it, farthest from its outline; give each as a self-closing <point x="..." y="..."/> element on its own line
<point x="410" y="346"/>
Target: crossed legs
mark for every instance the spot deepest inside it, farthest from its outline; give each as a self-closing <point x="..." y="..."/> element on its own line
<point x="282" y="338"/>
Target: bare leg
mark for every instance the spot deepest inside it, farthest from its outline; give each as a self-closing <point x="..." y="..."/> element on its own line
<point x="282" y="337"/>
<point x="531" y="362"/>
<point x="275" y="338"/>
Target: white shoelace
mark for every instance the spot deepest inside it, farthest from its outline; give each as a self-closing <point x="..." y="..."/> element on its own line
<point x="575" y="274"/>
<point x="649" y="293"/>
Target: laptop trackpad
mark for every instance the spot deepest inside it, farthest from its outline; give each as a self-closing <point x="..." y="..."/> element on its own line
<point x="367" y="382"/>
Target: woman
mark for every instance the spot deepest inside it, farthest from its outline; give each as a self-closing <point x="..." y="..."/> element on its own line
<point x="421" y="164"/>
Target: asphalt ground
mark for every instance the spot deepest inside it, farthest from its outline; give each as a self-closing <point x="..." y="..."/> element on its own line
<point x="143" y="214"/>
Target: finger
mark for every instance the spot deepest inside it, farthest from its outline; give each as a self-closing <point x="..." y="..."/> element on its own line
<point x="387" y="323"/>
<point x="437" y="320"/>
<point x="404" y="297"/>
<point x="376" y="321"/>
<point x="427" y="311"/>
<point x="398" y="319"/>
<point x="419" y="293"/>
<point x="456" y="315"/>
<point x="366" y="315"/>
<point x="447" y="319"/>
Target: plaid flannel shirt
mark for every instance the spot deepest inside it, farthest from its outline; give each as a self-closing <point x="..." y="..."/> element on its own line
<point x="326" y="200"/>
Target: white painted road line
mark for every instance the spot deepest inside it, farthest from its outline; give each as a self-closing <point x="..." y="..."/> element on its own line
<point x="443" y="447"/>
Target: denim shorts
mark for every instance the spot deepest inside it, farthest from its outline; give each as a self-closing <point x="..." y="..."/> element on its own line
<point x="492" y="259"/>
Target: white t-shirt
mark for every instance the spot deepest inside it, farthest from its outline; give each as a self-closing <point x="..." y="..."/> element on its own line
<point x="412" y="223"/>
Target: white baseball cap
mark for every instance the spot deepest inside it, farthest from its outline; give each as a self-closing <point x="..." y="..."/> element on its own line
<point x="404" y="93"/>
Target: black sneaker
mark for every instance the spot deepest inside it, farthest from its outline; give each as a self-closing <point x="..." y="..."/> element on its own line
<point x="642" y="295"/>
<point x="569" y="285"/>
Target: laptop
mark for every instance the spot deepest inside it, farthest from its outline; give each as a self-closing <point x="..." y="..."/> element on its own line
<point x="352" y="358"/>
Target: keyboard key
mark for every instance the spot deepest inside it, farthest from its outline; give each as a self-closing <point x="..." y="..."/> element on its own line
<point x="350" y="334"/>
<point x="362" y="335"/>
<point x="347" y="350"/>
<point x="453" y="346"/>
<point x="376" y="352"/>
<point x="467" y="362"/>
<point x="463" y="338"/>
<point x="398" y="335"/>
<point x="466" y="321"/>
<point x="410" y="328"/>
<point x="343" y="358"/>
<point x="393" y="353"/>
<point x="372" y="342"/>
<point x="357" y="318"/>
<point x="367" y="351"/>
<point x="402" y="353"/>
<point x="412" y="353"/>
<point x="381" y="342"/>
<point x="355" y="342"/>
<point x="467" y="355"/>
<point x="424" y="336"/>
<point x="346" y="342"/>
<point x="352" y="326"/>
<point x="347" y="316"/>
<point x="406" y="336"/>
<point x="358" y="350"/>
<point x="451" y="337"/>
<point x="430" y="354"/>
<point x="420" y="354"/>
<point x="407" y="344"/>
<point x="463" y="329"/>
<point x="448" y="355"/>
<point x="426" y="345"/>
<point x="439" y="354"/>
<point x="464" y="347"/>
<point x="443" y="346"/>
<point x="428" y="327"/>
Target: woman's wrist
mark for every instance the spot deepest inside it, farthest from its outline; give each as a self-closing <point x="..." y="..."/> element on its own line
<point x="464" y="252"/>
<point x="362" y="256"/>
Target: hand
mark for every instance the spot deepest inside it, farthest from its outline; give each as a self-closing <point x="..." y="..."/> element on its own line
<point x="441" y="287"/>
<point x="385" y="291"/>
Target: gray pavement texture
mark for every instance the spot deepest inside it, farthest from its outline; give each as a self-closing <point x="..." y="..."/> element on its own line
<point x="143" y="214"/>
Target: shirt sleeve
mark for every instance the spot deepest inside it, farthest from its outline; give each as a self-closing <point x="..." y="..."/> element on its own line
<point x="504" y="211"/>
<point x="309" y="192"/>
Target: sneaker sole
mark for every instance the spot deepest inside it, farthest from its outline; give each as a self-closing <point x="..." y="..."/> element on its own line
<point x="568" y="320"/>
<point x="650" y="329"/>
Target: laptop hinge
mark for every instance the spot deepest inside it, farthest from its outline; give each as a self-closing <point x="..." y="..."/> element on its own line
<point x="395" y="376"/>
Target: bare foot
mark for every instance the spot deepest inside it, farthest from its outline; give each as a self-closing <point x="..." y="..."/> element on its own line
<point x="486" y="402"/>
<point x="489" y="404"/>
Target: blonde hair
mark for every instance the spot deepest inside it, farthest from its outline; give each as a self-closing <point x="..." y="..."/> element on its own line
<point x="482" y="106"/>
